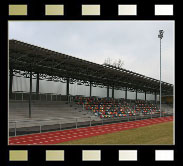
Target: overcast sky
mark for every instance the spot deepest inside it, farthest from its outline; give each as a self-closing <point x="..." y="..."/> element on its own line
<point x="135" y="42"/>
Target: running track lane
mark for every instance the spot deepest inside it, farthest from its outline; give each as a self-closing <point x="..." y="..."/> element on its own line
<point x="74" y="134"/>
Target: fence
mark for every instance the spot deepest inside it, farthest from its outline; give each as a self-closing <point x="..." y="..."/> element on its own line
<point x="21" y="96"/>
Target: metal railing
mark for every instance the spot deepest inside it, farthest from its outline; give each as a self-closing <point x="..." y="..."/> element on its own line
<point x="35" y="126"/>
<point x="23" y="96"/>
<point x="33" y="123"/>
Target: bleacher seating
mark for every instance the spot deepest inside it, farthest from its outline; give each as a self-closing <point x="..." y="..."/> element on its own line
<point x="109" y="108"/>
<point x="145" y="107"/>
<point x="106" y="108"/>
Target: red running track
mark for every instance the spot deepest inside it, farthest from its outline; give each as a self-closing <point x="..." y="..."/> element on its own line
<point x="74" y="134"/>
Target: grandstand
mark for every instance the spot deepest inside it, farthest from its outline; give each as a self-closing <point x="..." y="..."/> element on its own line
<point x="31" y="112"/>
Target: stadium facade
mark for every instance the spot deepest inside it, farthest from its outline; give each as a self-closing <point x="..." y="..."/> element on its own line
<point x="35" y="69"/>
<point x="21" y="84"/>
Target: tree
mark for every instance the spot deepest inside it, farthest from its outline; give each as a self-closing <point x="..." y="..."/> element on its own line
<point x="120" y="63"/>
<point x="116" y="63"/>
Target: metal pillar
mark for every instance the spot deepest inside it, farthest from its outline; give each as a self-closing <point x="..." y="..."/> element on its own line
<point x="113" y="92"/>
<point x="90" y="89"/>
<point x="155" y="98"/>
<point x="37" y="86"/>
<point x="126" y="93"/>
<point x="160" y="36"/>
<point x="30" y="95"/>
<point x="136" y="96"/>
<point x="160" y="77"/>
<point x="67" y="88"/>
<point x="108" y="91"/>
<point x="145" y="96"/>
<point x="11" y="82"/>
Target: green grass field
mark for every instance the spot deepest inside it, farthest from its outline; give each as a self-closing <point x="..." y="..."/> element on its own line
<point x="152" y="135"/>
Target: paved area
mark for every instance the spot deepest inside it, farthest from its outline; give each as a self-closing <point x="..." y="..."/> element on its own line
<point x="46" y="112"/>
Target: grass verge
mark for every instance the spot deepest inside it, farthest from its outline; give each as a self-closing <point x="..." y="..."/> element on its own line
<point x="156" y="134"/>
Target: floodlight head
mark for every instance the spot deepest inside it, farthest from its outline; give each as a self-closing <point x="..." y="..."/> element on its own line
<point x="160" y="34"/>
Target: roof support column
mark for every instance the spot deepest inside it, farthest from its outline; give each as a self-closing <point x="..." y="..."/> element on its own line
<point x="136" y="95"/>
<point x="90" y="88"/>
<point x="107" y="91"/>
<point x="37" y="86"/>
<point x="145" y="95"/>
<point x="30" y="95"/>
<point x="113" y="92"/>
<point x="126" y="94"/>
<point x="155" y="98"/>
<point x="10" y="83"/>
<point x="67" y="87"/>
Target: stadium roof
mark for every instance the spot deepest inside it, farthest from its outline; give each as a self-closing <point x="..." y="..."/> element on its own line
<point x="54" y="66"/>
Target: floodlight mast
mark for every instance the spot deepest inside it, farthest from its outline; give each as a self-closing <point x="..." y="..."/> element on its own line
<point x="160" y="36"/>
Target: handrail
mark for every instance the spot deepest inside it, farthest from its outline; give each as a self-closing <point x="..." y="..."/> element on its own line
<point x="35" y="120"/>
<point x="60" y="120"/>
